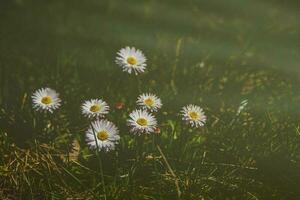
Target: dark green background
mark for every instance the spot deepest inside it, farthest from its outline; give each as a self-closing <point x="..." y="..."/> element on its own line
<point x="264" y="32"/>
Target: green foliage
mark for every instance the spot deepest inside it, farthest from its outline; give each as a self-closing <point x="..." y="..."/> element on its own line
<point x="251" y="155"/>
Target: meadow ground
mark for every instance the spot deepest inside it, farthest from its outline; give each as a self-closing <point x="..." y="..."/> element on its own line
<point x="209" y="53"/>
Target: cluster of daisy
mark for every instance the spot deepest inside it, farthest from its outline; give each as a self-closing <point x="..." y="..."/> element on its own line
<point x="131" y="59"/>
<point x="103" y="134"/>
<point x="142" y="120"/>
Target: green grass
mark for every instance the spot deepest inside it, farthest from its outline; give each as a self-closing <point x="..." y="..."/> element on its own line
<point x="207" y="53"/>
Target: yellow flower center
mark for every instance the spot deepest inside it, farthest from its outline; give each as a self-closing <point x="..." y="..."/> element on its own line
<point x="131" y="60"/>
<point x="149" y="102"/>
<point x="142" y="122"/>
<point x="194" y="115"/>
<point x="102" y="135"/>
<point x="94" y="108"/>
<point x="46" y="100"/>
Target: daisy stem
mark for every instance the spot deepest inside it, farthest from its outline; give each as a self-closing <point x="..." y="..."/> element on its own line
<point x="100" y="162"/>
<point x="102" y="176"/>
<point x="138" y="81"/>
<point x="139" y="86"/>
<point x="140" y="141"/>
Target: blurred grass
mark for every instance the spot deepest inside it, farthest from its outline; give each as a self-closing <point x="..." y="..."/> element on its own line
<point x="214" y="54"/>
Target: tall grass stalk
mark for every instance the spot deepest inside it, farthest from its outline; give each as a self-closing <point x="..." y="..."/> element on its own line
<point x="174" y="67"/>
<point x="168" y="166"/>
<point x="3" y="82"/>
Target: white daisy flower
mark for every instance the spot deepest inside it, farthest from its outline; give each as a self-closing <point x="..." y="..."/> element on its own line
<point x="94" y="108"/>
<point x="104" y="134"/>
<point x="149" y="101"/>
<point x="141" y="121"/>
<point x="194" y="115"/>
<point x="131" y="59"/>
<point x="46" y="99"/>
